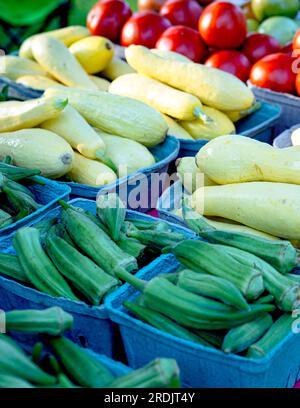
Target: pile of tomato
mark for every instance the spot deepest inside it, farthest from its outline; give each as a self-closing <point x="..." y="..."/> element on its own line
<point x="212" y="33"/>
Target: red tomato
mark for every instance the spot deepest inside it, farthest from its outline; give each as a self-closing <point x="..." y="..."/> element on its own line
<point x="298" y="84"/>
<point x="288" y="49"/>
<point x="205" y="2"/>
<point x="107" y="18"/>
<point x="296" y="42"/>
<point x="185" y="41"/>
<point x="144" y="28"/>
<point x="231" y="61"/>
<point x="257" y="46"/>
<point x="223" y="25"/>
<point x="182" y="12"/>
<point x="274" y="72"/>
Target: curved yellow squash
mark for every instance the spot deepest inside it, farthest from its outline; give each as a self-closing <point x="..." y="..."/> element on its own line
<point x="273" y="208"/>
<point x="38" y="149"/>
<point x="16" y="115"/>
<point x="190" y="175"/>
<point x="37" y="81"/>
<point x="116" y="114"/>
<point x="220" y="125"/>
<point x="165" y="99"/>
<point x="213" y="87"/>
<point x="176" y="130"/>
<point x="127" y="155"/>
<point x="71" y="126"/>
<point x="67" y="35"/>
<point x="58" y="61"/>
<point x="237" y="159"/>
<point x="90" y="172"/>
<point x="14" y="67"/>
<point x="116" y="68"/>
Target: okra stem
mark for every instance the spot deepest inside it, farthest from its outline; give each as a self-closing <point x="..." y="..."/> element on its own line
<point x="137" y="283"/>
<point x="64" y="205"/>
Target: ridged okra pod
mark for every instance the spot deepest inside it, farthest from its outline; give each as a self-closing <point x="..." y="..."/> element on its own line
<point x="160" y="373"/>
<point x="17" y="173"/>
<point x="15" y="362"/>
<point x="163" y="323"/>
<point x="285" y="291"/>
<point x="11" y="381"/>
<point x="52" y="321"/>
<point x="131" y="246"/>
<point x="213" y="287"/>
<point x="94" y="242"/>
<point x="112" y="212"/>
<point x="83" y="368"/>
<point x="203" y="257"/>
<point x="276" y="334"/>
<point x="188" y="309"/>
<point x="240" y="338"/>
<point x="280" y="254"/>
<point x="10" y="266"/>
<point x="5" y="219"/>
<point x="38" y="268"/>
<point x="157" y="239"/>
<point x="86" y="276"/>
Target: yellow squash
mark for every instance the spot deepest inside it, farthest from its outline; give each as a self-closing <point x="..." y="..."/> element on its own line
<point x="15" y="67"/>
<point x="237" y="159"/>
<point x="37" y="81"/>
<point x="38" y="149"/>
<point x="227" y="226"/>
<point x="57" y="60"/>
<point x="235" y="116"/>
<point x="101" y="83"/>
<point x="220" y="125"/>
<point x="171" y="55"/>
<point x="67" y="35"/>
<point x="213" y="87"/>
<point x="93" y="53"/>
<point x="295" y="137"/>
<point x="273" y="208"/>
<point x="127" y="155"/>
<point x="90" y="172"/>
<point x="232" y="227"/>
<point x="71" y="126"/>
<point x="15" y="115"/>
<point x="116" y="114"/>
<point x="165" y="99"/>
<point x="116" y="68"/>
<point x="176" y="130"/>
<point x="190" y="175"/>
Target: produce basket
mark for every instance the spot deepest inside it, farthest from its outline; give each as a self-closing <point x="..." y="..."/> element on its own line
<point x="48" y="195"/>
<point x="284" y="139"/>
<point x="290" y="106"/>
<point x="164" y="154"/>
<point x="260" y="126"/>
<point x="92" y="326"/>
<point x="200" y="366"/>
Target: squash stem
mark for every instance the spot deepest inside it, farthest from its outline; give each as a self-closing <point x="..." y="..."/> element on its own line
<point x="100" y="155"/>
<point x="199" y="114"/>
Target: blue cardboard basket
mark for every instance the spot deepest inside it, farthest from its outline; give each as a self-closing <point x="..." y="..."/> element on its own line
<point x="200" y="366"/>
<point x="284" y="139"/>
<point x="92" y="326"/>
<point x="141" y="180"/>
<point x="260" y="126"/>
<point x="48" y="195"/>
